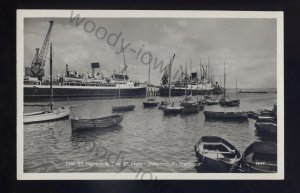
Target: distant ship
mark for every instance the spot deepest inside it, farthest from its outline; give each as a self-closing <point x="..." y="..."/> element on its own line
<point x="197" y="84"/>
<point x="73" y="85"/>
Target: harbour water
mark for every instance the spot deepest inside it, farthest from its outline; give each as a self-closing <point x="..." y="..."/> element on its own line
<point x="146" y="138"/>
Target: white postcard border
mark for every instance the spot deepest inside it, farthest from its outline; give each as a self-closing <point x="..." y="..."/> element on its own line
<point x="21" y="14"/>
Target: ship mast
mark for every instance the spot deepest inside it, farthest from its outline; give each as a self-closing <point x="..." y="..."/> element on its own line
<point x="224" y="81"/>
<point x="171" y="61"/>
<point x="191" y="76"/>
<point x="235" y="87"/>
<point x="185" y="90"/>
<point x="51" y="89"/>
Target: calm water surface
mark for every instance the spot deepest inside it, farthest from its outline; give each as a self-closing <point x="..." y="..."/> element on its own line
<point x="145" y="136"/>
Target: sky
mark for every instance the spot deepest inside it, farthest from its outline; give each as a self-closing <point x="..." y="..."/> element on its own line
<point x="247" y="46"/>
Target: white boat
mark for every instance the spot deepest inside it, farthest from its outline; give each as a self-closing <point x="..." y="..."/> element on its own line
<point x="45" y="116"/>
<point x="50" y="115"/>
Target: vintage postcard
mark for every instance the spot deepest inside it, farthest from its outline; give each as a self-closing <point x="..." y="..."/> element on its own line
<point x="149" y="95"/>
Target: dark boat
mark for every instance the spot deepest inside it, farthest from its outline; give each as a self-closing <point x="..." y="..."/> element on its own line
<point x="123" y="108"/>
<point x="218" y="154"/>
<point x="150" y="103"/>
<point x="98" y="123"/>
<point x="260" y="157"/>
<point x="232" y="116"/>
<point x="189" y="105"/>
<point x="225" y="100"/>
<point x="230" y="103"/>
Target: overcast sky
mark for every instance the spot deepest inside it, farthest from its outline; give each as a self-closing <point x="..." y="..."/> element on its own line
<point x="247" y="46"/>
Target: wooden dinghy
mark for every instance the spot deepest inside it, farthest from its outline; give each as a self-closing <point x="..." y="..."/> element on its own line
<point x="231" y="116"/>
<point x="123" y="108"/>
<point x="151" y="102"/>
<point x="218" y="154"/>
<point x="260" y="157"/>
<point x="98" y="123"/>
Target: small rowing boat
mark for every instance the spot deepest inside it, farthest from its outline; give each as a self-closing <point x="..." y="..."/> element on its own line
<point x="123" y="108"/>
<point x="150" y="102"/>
<point x="97" y="123"/>
<point x="217" y="153"/>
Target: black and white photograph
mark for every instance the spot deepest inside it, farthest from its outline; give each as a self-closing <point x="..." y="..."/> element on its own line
<point x="107" y="94"/>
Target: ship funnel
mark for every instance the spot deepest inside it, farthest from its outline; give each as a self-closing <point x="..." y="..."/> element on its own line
<point x="94" y="66"/>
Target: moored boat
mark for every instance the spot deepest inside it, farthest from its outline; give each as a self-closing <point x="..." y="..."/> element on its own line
<point x="52" y="114"/>
<point x="151" y="102"/>
<point x="218" y="154"/>
<point x="123" y="108"/>
<point x="97" y="123"/>
<point x="260" y="157"/>
<point x="231" y="116"/>
<point x="230" y="103"/>
<point x="47" y="116"/>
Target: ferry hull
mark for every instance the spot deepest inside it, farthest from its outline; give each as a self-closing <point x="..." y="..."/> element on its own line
<point x="181" y="91"/>
<point x="42" y="93"/>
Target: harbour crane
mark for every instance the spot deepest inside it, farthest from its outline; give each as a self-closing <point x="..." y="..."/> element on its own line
<point x="37" y="66"/>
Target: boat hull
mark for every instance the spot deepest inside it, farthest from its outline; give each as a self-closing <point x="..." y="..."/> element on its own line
<point x="172" y="111"/>
<point x="123" y="108"/>
<point x="58" y="114"/>
<point x="231" y="116"/>
<point x="150" y="104"/>
<point x="215" y="165"/>
<point x="88" y="124"/>
<point x="42" y="92"/>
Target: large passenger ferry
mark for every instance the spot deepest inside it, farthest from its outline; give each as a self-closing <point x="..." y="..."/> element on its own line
<point x="72" y="85"/>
